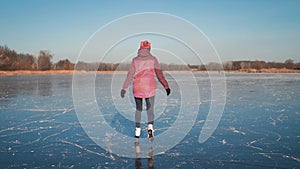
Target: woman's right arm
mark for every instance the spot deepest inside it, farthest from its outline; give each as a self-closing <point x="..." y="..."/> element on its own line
<point x="129" y="77"/>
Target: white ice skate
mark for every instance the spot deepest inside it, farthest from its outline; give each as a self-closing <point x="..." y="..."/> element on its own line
<point x="137" y="132"/>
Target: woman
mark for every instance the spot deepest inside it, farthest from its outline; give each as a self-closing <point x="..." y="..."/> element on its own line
<point x="142" y="69"/>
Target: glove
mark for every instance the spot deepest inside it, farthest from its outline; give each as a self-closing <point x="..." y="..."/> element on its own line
<point x="123" y="93"/>
<point x="168" y="90"/>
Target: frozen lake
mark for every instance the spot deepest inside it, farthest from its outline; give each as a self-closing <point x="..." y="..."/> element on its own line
<point x="259" y="128"/>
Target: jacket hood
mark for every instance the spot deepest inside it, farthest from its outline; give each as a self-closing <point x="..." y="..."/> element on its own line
<point x="142" y="52"/>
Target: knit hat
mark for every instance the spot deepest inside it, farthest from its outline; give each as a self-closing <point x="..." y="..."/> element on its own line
<point x="145" y="44"/>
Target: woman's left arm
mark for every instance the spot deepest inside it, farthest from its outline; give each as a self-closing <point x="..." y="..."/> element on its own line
<point x="160" y="75"/>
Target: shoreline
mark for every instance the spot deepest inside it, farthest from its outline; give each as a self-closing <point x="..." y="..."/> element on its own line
<point x="270" y="70"/>
<point x="51" y="72"/>
<point x="62" y="72"/>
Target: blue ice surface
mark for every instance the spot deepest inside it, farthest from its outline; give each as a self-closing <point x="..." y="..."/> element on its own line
<point x="259" y="127"/>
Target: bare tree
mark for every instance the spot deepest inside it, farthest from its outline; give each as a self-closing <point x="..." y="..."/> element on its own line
<point x="245" y="65"/>
<point x="289" y="64"/>
<point x="227" y="65"/>
<point x="44" y="60"/>
<point x="63" y="65"/>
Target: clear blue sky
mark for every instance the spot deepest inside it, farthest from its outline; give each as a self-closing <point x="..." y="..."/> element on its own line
<point x="240" y="30"/>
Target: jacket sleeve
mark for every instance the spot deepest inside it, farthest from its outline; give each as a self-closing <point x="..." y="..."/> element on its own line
<point x="130" y="75"/>
<point x="160" y="75"/>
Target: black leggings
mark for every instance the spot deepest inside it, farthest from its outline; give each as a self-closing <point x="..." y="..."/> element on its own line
<point x="139" y="109"/>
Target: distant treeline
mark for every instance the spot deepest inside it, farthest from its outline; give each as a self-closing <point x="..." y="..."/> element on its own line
<point x="11" y="60"/>
<point x="240" y="65"/>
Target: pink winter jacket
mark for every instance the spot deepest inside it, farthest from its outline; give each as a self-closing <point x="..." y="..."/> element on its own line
<point x="142" y="70"/>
